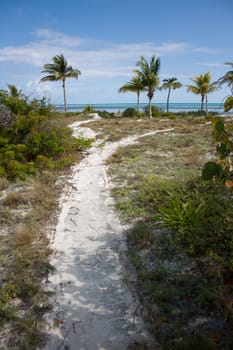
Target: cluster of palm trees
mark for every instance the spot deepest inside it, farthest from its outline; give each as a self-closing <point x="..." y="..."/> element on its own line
<point x="146" y="78"/>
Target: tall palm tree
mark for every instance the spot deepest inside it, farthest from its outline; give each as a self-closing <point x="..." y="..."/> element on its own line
<point x="60" y="70"/>
<point x="203" y="87"/>
<point x="170" y="84"/>
<point x="134" y="85"/>
<point x="148" y="73"/>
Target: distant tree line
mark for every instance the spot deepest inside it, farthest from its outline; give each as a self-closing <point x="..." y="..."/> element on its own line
<point x="146" y="79"/>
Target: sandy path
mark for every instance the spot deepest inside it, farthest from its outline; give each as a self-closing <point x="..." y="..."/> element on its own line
<point x="93" y="309"/>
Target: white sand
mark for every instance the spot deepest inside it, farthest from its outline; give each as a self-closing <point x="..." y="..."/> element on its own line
<point x="93" y="309"/>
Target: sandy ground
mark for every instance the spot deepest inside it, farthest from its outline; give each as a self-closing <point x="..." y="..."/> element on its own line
<point x="92" y="307"/>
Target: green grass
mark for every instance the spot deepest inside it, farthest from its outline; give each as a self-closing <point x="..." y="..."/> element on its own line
<point x="177" y="247"/>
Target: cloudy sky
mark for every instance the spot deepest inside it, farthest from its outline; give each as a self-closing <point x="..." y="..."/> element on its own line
<point x="105" y="38"/>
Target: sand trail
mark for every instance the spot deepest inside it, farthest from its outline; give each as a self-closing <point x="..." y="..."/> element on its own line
<point x="92" y="307"/>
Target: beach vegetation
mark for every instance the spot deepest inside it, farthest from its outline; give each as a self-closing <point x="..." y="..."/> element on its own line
<point x="180" y="242"/>
<point x="60" y="70"/>
<point x="170" y="84"/>
<point x="228" y="104"/>
<point x="33" y="139"/>
<point x="88" y="109"/>
<point x="129" y="113"/>
<point x="154" y="110"/>
<point x="134" y="85"/>
<point x="148" y="74"/>
<point x="203" y="86"/>
<point x="228" y="79"/>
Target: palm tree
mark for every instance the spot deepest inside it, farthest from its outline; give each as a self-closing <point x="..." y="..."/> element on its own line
<point x="228" y="104"/>
<point x="227" y="78"/>
<point x="60" y="70"/>
<point x="203" y="87"/>
<point x="148" y="73"/>
<point x="14" y="92"/>
<point x="134" y="85"/>
<point x="170" y="84"/>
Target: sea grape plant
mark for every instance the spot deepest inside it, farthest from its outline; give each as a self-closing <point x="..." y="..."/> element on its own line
<point x="222" y="168"/>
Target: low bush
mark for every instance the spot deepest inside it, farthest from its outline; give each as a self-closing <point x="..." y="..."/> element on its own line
<point x="201" y="220"/>
<point x="156" y="112"/>
<point x="36" y="140"/>
<point x="106" y="114"/>
<point x="129" y="113"/>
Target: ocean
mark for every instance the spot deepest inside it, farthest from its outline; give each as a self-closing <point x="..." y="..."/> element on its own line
<point x="119" y="107"/>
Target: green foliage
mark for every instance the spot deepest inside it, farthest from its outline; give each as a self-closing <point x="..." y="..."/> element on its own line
<point x="182" y="216"/>
<point x="221" y="169"/>
<point x="129" y="113"/>
<point x="212" y="170"/>
<point x="228" y="104"/>
<point x="106" y="114"/>
<point x="35" y="141"/>
<point x="88" y="109"/>
<point x="200" y="218"/>
<point x="156" y="112"/>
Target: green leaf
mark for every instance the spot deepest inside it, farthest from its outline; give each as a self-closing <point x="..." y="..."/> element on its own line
<point x="211" y="170"/>
<point x="219" y="130"/>
<point x="228" y="104"/>
<point x="223" y="150"/>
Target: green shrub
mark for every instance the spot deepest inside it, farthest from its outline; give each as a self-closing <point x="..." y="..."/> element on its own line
<point x="43" y="162"/>
<point x="201" y="219"/>
<point x="88" y="109"/>
<point x="106" y="114"/>
<point x="156" y="112"/>
<point x="129" y="113"/>
<point x="2" y="172"/>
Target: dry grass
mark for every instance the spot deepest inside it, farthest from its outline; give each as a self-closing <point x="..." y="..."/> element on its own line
<point x="115" y="129"/>
<point x="22" y="235"/>
<point x="4" y="183"/>
<point x="15" y="199"/>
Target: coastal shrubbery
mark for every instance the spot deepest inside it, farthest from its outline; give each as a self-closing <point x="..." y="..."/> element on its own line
<point x="34" y="139"/>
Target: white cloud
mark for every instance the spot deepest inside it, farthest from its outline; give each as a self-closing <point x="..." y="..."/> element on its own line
<point x="103" y="60"/>
<point x="104" y="65"/>
<point x="38" y="89"/>
<point x="58" y="38"/>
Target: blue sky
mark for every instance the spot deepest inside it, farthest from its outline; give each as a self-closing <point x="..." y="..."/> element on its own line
<point x="104" y="40"/>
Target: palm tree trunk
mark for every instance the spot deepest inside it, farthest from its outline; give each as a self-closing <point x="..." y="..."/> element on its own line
<point x="206" y="101"/>
<point x="168" y="97"/>
<point x="64" y="94"/>
<point x="150" y="108"/>
<point x="138" y="93"/>
<point x="202" y="102"/>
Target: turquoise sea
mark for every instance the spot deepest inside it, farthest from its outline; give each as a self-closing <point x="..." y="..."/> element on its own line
<point x="118" y="107"/>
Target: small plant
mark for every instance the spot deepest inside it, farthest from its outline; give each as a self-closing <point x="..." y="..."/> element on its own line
<point x="182" y="216"/>
<point x="88" y="109"/>
<point x="222" y="169"/>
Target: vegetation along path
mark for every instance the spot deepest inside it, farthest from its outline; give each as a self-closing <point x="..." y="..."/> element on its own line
<point x="92" y="308"/>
